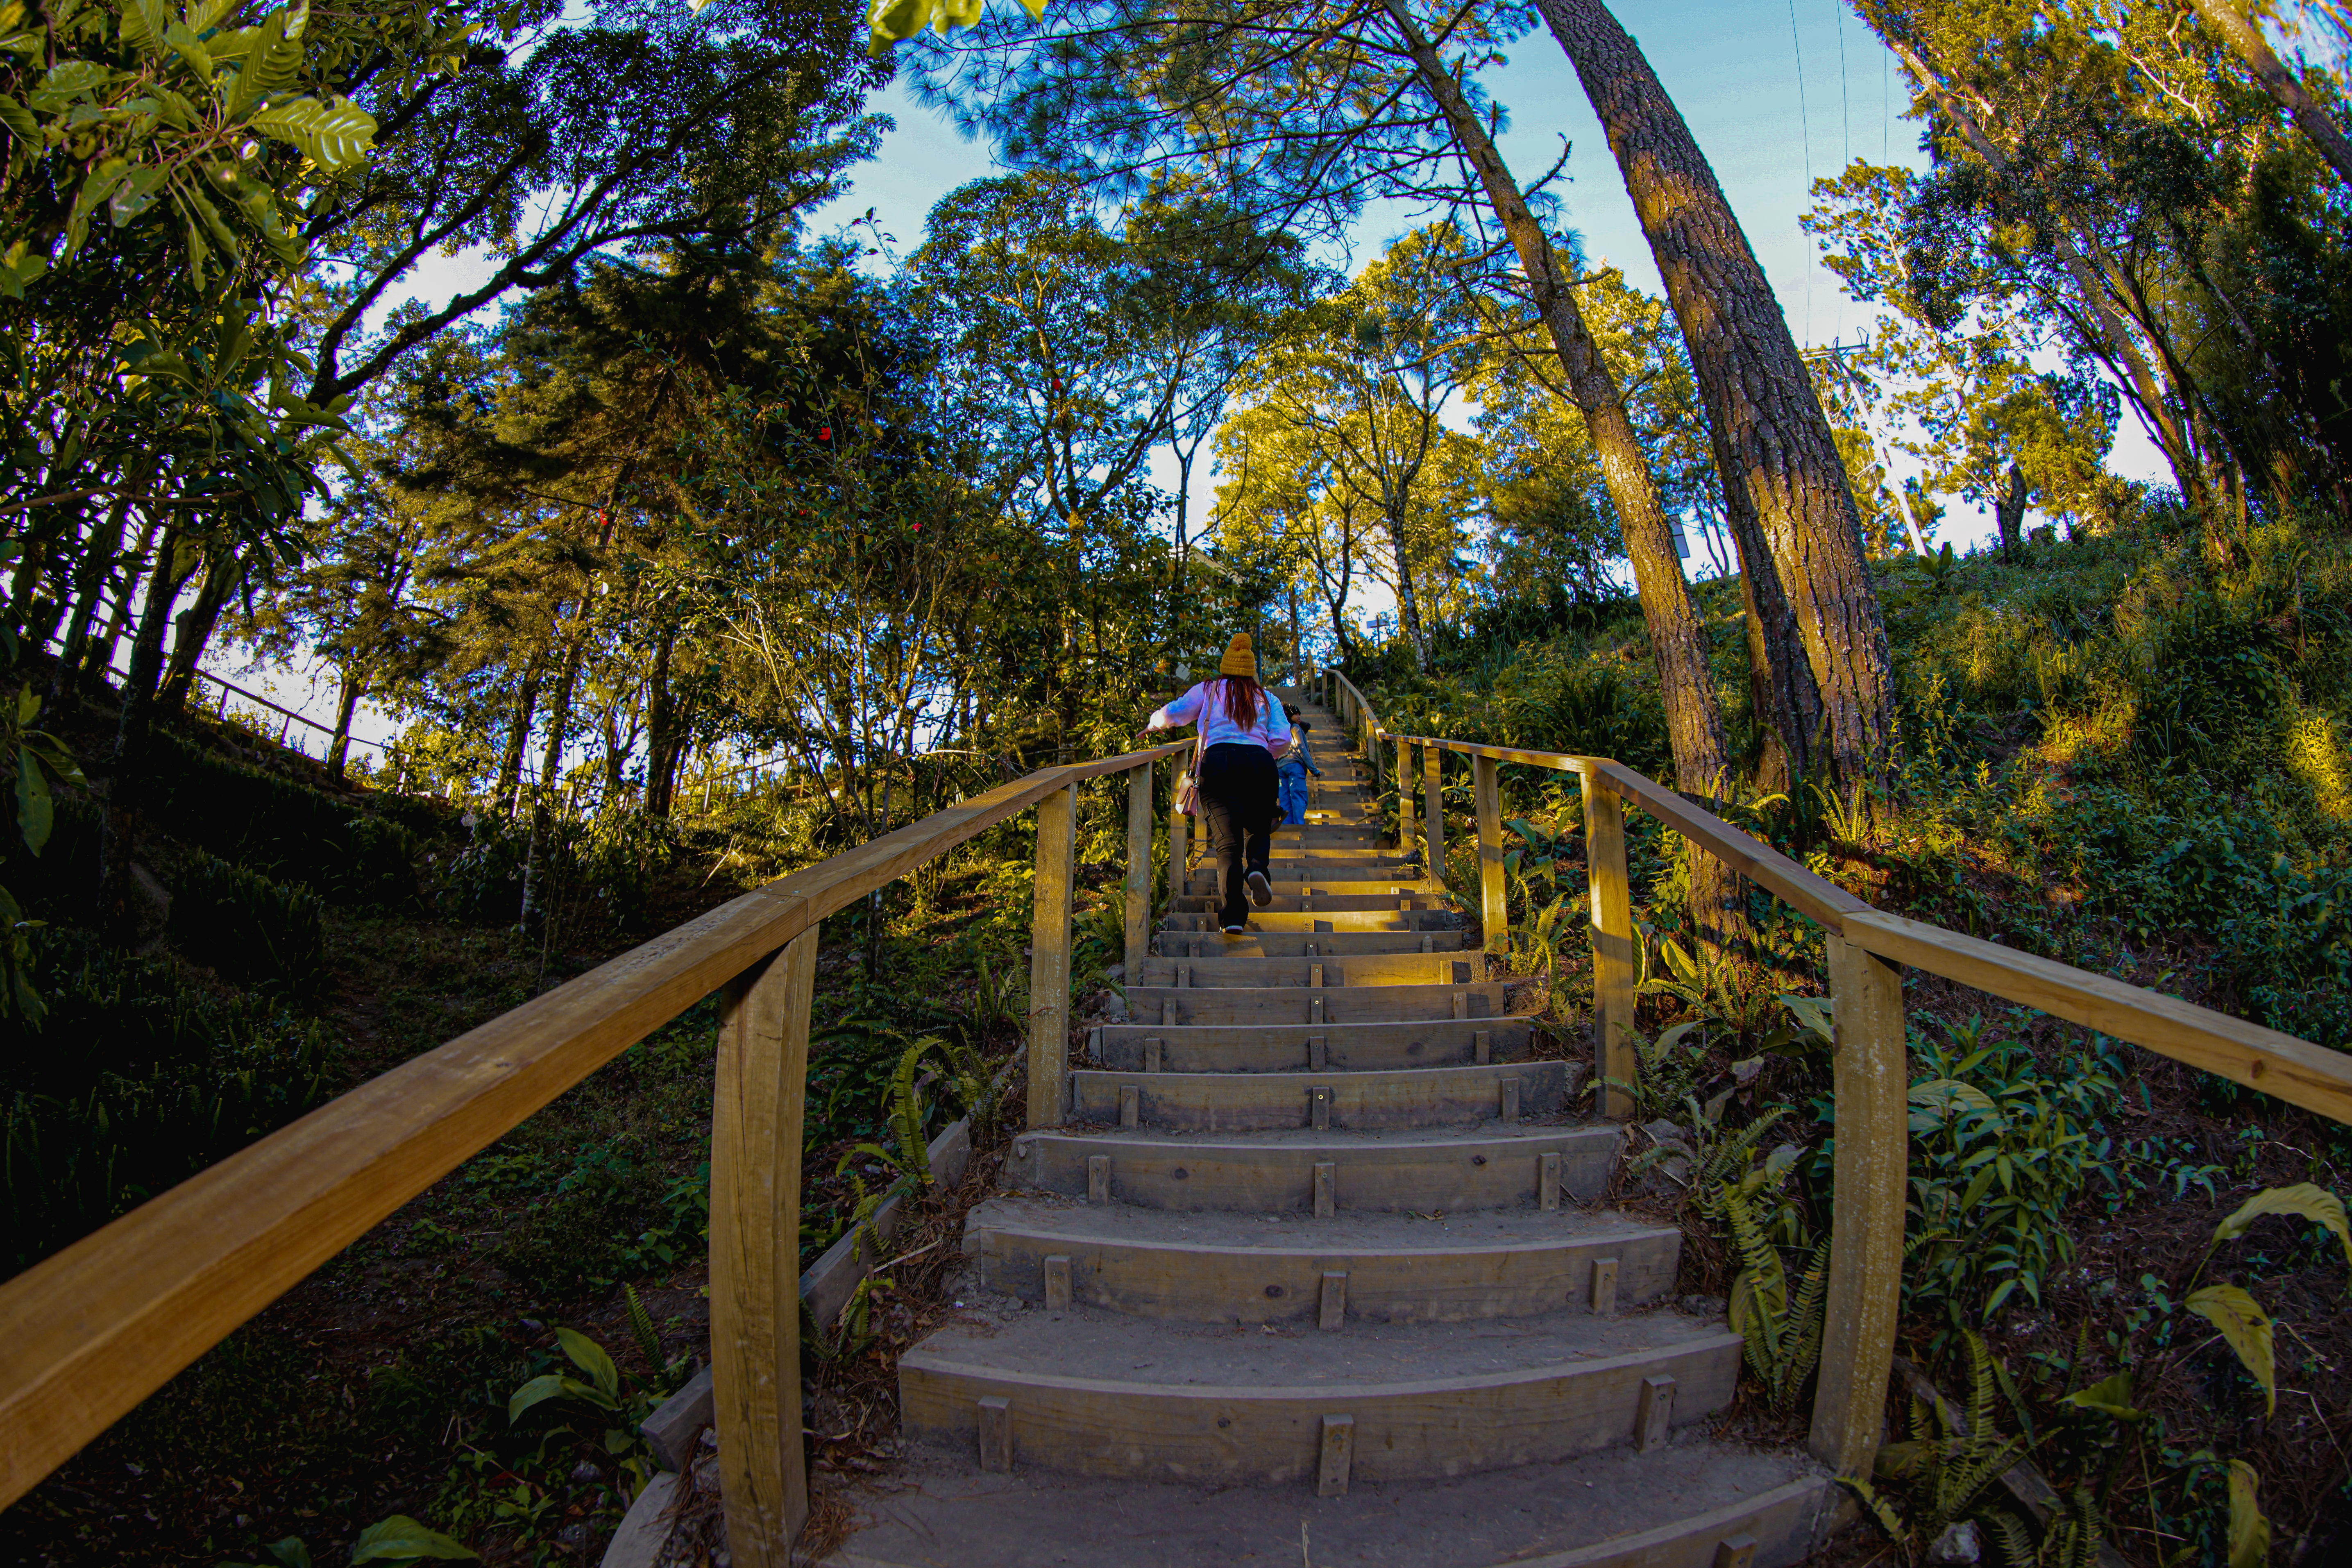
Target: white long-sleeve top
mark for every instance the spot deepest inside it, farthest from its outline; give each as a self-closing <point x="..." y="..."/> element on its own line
<point x="1205" y="705"/>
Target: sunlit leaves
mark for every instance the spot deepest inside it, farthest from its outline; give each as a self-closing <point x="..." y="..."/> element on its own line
<point x="2314" y="1202"/>
<point x="894" y="21"/>
<point x="334" y="136"/>
<point x="2247" y="1329"/>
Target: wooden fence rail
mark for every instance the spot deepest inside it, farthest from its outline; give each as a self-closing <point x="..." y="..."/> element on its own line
<point x="98" y="1327"/>
<point x="104" y="1323"/>
<point x="1871" y="1080"/>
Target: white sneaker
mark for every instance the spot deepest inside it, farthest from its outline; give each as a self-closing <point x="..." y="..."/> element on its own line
<point x="1235" y="931"/>
<point x="1261" y="891"/>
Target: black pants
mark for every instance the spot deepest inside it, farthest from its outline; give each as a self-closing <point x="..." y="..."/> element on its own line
<point x="1239" y="802"/>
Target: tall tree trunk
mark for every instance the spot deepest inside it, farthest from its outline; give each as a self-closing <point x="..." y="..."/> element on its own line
<point x="347" y="704"/>
<point x="2283" y="86"/>
<point x="1408" y="605"/>
<point x="508" y="794"/>
<point x="2009" y="511"/>
<point x="1772" y="443"/>
<point x="661" y="719"/>
<point x="1677" y="639"/>
<point x="89" y="595"/>
<point x="172" y="571"/>
<point x="193" y="628"/>
<point x="559" y="714"/>
<point x="100" y="664"/>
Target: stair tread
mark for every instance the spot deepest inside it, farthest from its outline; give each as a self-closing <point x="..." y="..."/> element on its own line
<point x="1346" y="1232"/>
<point x="942" y="1512"/>
<point x="1085" y="1345"/>
<point x="1340" y="1143"/>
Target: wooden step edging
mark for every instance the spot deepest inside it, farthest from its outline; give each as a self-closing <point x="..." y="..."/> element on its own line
<point x="1493" y="1171"/>
<point x="1209" y="1284"/>
<point x="1263" y="1101"/>
<point x="1313" y="1047"/>
<point x="1402" y="1430"/>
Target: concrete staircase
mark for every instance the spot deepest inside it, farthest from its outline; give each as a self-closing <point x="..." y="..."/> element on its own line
<point x="1314" y="1275"/>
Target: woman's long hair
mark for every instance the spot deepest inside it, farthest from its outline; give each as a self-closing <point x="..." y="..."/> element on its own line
<point x="1241" y="697"/>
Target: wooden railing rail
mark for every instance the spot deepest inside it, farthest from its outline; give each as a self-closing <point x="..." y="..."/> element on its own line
<point x="1872" y="1079"/>
<point x="99" y="1326"/>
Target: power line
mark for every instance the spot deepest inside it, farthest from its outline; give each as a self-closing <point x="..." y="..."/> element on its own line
<point x="1845" y="100"/>
<point x="1805" y="135"/>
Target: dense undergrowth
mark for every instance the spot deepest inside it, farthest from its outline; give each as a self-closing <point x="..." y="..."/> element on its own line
<point x="2116" y="755"/>
<point x="294" y="939"/>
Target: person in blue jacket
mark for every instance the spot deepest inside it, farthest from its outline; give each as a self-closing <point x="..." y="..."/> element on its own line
<point x="1290" y="773"/>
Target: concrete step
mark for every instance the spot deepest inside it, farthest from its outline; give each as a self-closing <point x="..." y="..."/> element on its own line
<point x="1279" y="944"/>
<point x="1259" y="1269"/>
<point x="1318" y="918"/>
<point x="1293" y="1048"/>
<point x="1098" y="1394"/>
<point x="1367" y="969"/>
<point x="1298" y="1004"/>
<point x="1670" y="1509"/>
<point x="1494" y="1167"/>
<point x="1375" y="899"/>
<point x="1377" y="873"/>
<point x="1261" y="1101"/>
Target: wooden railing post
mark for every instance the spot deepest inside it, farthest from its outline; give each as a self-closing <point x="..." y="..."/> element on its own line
<point x="1432" y="813"/>
<point x="1872" y="1082"/>
<point x="1494" y="906"/>
<point x="1179" y="827"/>
<point x="1049" y="959"/>
<point x="1404" y="796"/>
<point x="755" y="1268"/>
<point x="1614" y="971"/>
<point x="1139" y="869"/>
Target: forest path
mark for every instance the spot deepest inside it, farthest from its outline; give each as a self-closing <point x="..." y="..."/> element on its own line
<point x="1316" y="1273"/>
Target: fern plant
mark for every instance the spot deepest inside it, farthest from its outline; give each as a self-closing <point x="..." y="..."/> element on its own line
<point x="1782" y="1332"/>
<point x="1944" y="1474"/>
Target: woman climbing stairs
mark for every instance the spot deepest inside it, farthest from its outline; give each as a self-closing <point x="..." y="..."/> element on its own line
<point x="1312" y="1274"/>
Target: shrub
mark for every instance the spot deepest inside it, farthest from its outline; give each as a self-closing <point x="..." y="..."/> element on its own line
<point x="139" y="1078"/>
<point x="248" y="927"/>
<point x="293" y="832"/>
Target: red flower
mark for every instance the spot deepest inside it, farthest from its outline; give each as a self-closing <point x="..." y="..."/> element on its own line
<point x="824" y="433"/>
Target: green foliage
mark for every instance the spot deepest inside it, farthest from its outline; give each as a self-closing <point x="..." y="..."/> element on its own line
<point x="286" y="830"/>
<point x="396" y="1541"/>
<point x="1782" y="1329"/>
<point x="2001" y="1143"/>
<point x="612" y="1215"/>
<point x="1945" y="1474"/>
<point x="166" y="1076"/>
<point x="247" y="927"/>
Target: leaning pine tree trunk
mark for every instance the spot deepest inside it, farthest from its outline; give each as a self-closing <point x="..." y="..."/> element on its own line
<point x="1677" y="638"/>
<point x="1772" y="443"/>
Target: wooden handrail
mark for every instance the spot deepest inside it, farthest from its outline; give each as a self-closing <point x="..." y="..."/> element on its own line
<point x="1872" y="1078"/>
<point x="99" y="1326"/>
<point x="2295" y="1070"/>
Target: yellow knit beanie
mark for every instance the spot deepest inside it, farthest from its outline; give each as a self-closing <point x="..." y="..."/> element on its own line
<point x="1239" y="660"/>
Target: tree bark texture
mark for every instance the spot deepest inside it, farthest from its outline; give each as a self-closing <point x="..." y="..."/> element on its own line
<point x="2283" y="86"/>
<point x="1773" y="442"/>
<point x="543" y="810"/>
<point x="508" y="794"/>
<point x="1677" y="638"/>
<point x="1408" y="605"/>
<point x="2009" y="511"/>
<point x="339" y="748"/>
<point x="191" y="630"/>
